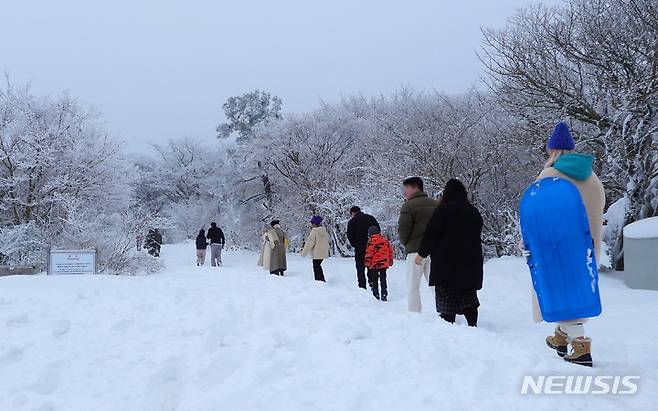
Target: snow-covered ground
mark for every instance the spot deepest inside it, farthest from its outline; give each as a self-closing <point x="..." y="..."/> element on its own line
<point x="235" y="338"/>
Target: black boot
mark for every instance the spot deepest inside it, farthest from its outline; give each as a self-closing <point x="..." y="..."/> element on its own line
<point x="581" y="352"/>
<point x="384" y="295"/>
<point x="375" y="290"/>
<point x="450" y="318"/>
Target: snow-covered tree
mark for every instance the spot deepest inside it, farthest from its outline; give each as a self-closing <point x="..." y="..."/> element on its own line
<point x="359" y="151"/>
<point x="313" y="157"/>
<point x="438" y="137"/>
<point x="595" y="63"/>
<point x="51" y="151"/>
<point x="187" y="182"/>
<point x="246" y="112"/>
<point x="62" y="184"/>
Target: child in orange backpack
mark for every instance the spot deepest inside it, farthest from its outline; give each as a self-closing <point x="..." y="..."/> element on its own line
<point x="379" y="257"/>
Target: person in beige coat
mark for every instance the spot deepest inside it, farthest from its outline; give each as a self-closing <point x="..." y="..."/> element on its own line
<point x="278" y="237"/>
<point x="563" y="162"/>
<point x="273" y="251"/>
<point x="317" y="245"/>
<point x="267" y="243"/>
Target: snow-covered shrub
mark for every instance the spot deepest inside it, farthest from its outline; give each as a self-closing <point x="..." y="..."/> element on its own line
<point x="113" y="233"/>
<point x="23" y="244"/>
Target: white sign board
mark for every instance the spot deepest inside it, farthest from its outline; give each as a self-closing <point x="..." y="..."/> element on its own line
<point x="72" y="262"/>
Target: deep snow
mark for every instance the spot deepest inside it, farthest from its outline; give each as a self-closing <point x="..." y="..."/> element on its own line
<point x="235" y="338"/>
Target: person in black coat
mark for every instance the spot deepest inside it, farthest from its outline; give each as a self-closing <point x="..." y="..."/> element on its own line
<point x="215" y="234"/>
<point x="201" y="246"/>
<point x="357" y="235"/>
<point x="152" y="242"/>
<point x="454" y="241"/>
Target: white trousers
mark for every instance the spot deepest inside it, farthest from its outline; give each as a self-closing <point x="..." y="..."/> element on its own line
<point x="414" y="275"/>
<point x="572" y="329"/>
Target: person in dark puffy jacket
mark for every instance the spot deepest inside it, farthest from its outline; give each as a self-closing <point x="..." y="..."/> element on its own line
<point x="201" y="246"/>
<point x="379" y="257"/>
<point x="357" y="235"/>
<point x="153" y="242"/>
<point x="453" y="239"/>
<point x="217" y="242"/>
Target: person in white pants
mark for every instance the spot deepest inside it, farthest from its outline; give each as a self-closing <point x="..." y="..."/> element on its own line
<point x="415" y="214"/>
<point x="415" y="273"/>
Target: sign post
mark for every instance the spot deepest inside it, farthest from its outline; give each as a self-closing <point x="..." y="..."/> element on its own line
<point x="72" y="262"/>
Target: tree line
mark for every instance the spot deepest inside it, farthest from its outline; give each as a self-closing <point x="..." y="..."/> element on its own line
<point x="591" y="63"/>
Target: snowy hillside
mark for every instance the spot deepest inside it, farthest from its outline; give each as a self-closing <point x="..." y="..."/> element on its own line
<point x="237" y="339"/>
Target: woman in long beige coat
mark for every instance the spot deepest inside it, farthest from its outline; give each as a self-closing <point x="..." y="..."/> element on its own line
<point x="265" y="251"/>
<point x="276" y="240"/>
<point x="563" y="162"/>
<point x="317" y="245"/>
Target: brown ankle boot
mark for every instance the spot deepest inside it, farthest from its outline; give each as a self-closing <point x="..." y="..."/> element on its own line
<point x="581" y="352"/>
<point x="558" y="341"/>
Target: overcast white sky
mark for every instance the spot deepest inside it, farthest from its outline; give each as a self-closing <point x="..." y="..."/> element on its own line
<point x="160" y="69"/>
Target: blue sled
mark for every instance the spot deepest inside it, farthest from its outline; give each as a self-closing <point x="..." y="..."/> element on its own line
<point x="560" y="250"/>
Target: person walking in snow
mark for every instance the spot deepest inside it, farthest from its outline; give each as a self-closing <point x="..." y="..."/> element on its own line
<point x="379" y="257"/>
<point x="152" y="242"/>
<point x="140" y="241"/>
<point x="149" y="243"/>
<point x="265" y="251"/>
<point x="277" y="241"/>
<point x="217" y="242"/>
<point x="565" y="163"/>
<point x="201" y="246"/>
<point x="453" y="239"/>
<point x="357" y="235"/>
<point x="415" y="214"/>
<point x="317" y="245"/>
<point x="157" y="240"/>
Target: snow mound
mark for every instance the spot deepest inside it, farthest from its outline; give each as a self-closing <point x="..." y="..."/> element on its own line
<point x="647" y="228"/>
<point x="615" y="214"/>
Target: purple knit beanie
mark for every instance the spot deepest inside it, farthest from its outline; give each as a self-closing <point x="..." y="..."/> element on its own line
<point x="316" y="220"/>
<point x="561" y="138"/>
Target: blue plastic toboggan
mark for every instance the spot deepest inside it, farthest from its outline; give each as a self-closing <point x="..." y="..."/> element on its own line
<point x="560" y="250"/>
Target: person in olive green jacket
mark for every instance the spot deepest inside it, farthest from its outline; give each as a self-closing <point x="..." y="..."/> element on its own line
<point x="415" y="214"/>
